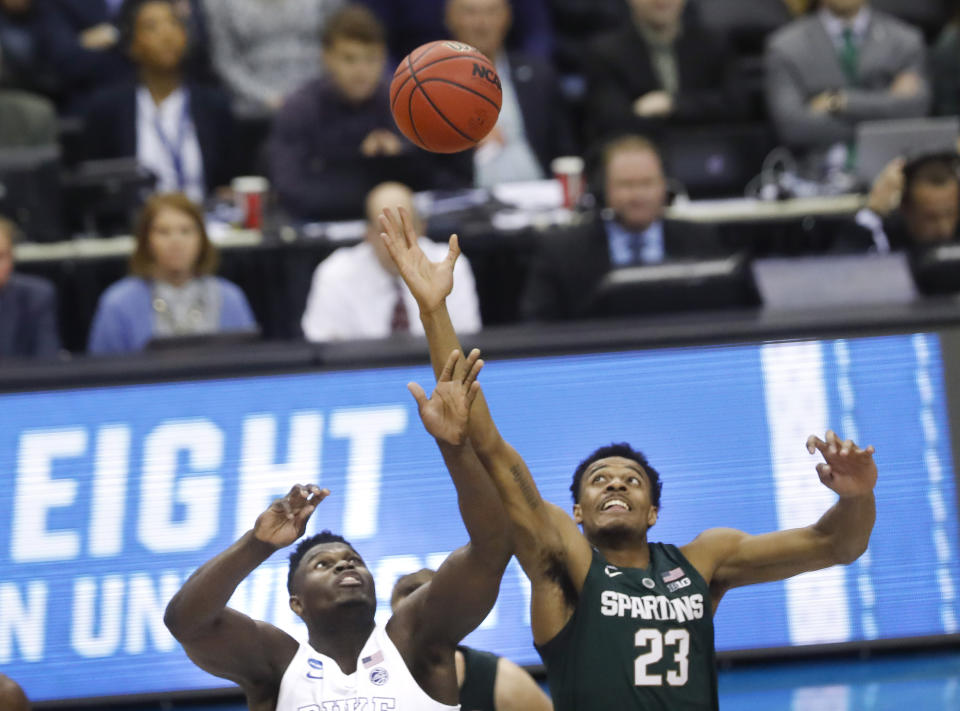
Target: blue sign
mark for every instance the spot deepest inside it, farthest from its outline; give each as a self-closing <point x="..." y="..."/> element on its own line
<point x="112" y="496"/>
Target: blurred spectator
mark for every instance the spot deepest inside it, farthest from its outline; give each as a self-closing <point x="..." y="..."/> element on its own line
<point x="630" y="231"/>
<point x="171" y="290"/>
<point x="19" y="50"/>
<point x="533" y="128"/>
<point x="657" y="68"/>
<point x="81" y="42"/>
<point x="26" y="120"/>
<point x="910" y="207"/>
<point x="28" y="329"/>
<point x="844" y="64"/>
<point x="357" y="292"/>
<point x="265" y="49"/>
<point x="577" y="22"/>
<point x="411" y="23"/>
<point x="945" y="67"/>
<point x="335" y="138"/>
<point x="182" y="132"/>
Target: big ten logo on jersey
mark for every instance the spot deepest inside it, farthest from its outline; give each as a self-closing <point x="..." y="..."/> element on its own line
<point x="678" y="584"/>
<point x="359" y="703"/>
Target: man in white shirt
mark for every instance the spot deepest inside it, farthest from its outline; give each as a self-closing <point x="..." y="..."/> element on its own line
<point x="356" y="292"/>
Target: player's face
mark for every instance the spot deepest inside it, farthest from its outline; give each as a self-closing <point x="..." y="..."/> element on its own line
<point x="636" y="188"/>
<point x="175" y="242"/>
<point x="614" y="496"/>
<point x="659" y="14"/>
<point x="6" y="257"/>
<point x="331" y="575"/>
<point x="844" y="8"/>
<point x="933" y="213"/>
<point x="159" y="38"/>
<point x="355" y="68"/>
<point x="481" y="23"/>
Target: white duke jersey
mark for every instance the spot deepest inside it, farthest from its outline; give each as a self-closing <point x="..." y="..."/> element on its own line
<point x="382" y="682"/>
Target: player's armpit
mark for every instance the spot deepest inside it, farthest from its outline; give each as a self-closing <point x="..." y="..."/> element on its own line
<point x="236" y="647"/>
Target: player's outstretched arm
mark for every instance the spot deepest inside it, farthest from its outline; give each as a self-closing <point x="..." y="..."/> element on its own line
<point x="547" y="543"/>
<point x="730" y="558"/>
<point x="225" y="642"/>
<point x="515" y="690"/>
<point x="466" y="585"/>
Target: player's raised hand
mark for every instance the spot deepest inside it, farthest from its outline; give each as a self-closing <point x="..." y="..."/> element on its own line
<point x="429" y="282"/>
<point x="847" y="469"/>
<point x="446" y="415"/>
<point x="286" y="518"/>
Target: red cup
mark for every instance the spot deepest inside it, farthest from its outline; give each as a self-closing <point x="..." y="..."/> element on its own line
<point x="568" y="171"/>
<point x="250" y="193"/>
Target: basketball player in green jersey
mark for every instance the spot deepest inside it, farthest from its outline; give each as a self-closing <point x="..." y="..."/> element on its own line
<point x="622" y="623"/>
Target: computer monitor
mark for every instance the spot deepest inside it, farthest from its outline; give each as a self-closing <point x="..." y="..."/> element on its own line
<point x="30" y="191"/>
<point x="792" y="283"/>
<point x="674" y="286"/>
<point x="936" y="270"/>
<point x="879" y="142"/>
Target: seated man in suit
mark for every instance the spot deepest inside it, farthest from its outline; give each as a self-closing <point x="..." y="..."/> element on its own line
<point x="28" y="308"/>
<point x="656" y="69"/>
<point x="533" y="128"/>
<point x="829" y="70"/>
<point x="182" y="132"/>
<point x="911" y="206"/>
<point x="357" y="293"/>
<point x="629" y="231"/>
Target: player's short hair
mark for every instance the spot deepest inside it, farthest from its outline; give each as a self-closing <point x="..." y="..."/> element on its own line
<point x="936" y="170"/>
<point x="407" y="584"/>
<point x="353" y="22"/>
<point x="620" y="449"/>
<point x="325" y="536"/>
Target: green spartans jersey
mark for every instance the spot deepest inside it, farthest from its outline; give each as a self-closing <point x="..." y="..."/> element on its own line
<point x="639" y="638"/>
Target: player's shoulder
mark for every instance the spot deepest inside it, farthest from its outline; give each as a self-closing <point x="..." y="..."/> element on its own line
<point x="712" y="542"/>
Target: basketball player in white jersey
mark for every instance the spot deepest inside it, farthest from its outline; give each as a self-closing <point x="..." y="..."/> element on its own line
<point x="349" y="662"/>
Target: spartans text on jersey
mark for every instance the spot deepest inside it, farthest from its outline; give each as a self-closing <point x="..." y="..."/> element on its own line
<point x="651" y="607"/>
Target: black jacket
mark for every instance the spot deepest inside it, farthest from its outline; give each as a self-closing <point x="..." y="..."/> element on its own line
<point x="28" y="318"/>
<point x="111" y="128"/>
<point x="570" y="264"/>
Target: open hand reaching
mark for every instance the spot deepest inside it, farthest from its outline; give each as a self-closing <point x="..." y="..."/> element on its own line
<point x="848" y="469"/>
<point x="446" y="415"/>
<point x="286" y="518"/>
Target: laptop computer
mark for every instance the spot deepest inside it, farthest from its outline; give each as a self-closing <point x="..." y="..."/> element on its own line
<point x="879" y="142"/>
<point x="797" y="283"/>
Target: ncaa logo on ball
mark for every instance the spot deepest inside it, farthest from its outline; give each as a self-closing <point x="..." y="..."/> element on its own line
<point x="379" y="676"/>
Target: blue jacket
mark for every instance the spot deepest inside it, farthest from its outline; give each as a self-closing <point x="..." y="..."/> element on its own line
<point x="123" y="322"/>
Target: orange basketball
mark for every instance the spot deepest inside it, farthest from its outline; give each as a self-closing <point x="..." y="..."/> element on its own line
<point x="445" y="96"/>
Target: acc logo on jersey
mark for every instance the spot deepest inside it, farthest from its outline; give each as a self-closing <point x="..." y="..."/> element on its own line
<point x="316" y="669"/>
<point x="379" y="676"/>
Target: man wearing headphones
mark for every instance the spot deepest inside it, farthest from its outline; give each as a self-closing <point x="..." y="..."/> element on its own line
<point x="629" y="231"/>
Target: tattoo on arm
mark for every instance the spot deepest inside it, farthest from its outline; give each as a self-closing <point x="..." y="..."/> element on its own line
<point x="523" y="480"/>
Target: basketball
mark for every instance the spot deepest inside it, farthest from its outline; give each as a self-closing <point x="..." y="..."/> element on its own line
<point x="445" y="96"/>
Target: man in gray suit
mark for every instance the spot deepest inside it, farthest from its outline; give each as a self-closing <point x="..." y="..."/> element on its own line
<point x="28" y="308"/>
<point x="846" y="63"/>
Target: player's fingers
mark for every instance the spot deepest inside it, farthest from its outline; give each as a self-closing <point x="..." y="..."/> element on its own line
<point x="825" y="472"/>
<point x="472" y="393"/>
<point x="418" y="394"/>
<point x="475" y="369"/>
<point x="847" y="447"/>
<point x="814" y="444"/>
<point x="468" y="364"/>
<point x="446" y="374"/>
<point x="833" y="442"/>
<point x="407" y="227"/>
<point x="454" y="251"/>
<point x="387" y="226"/>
